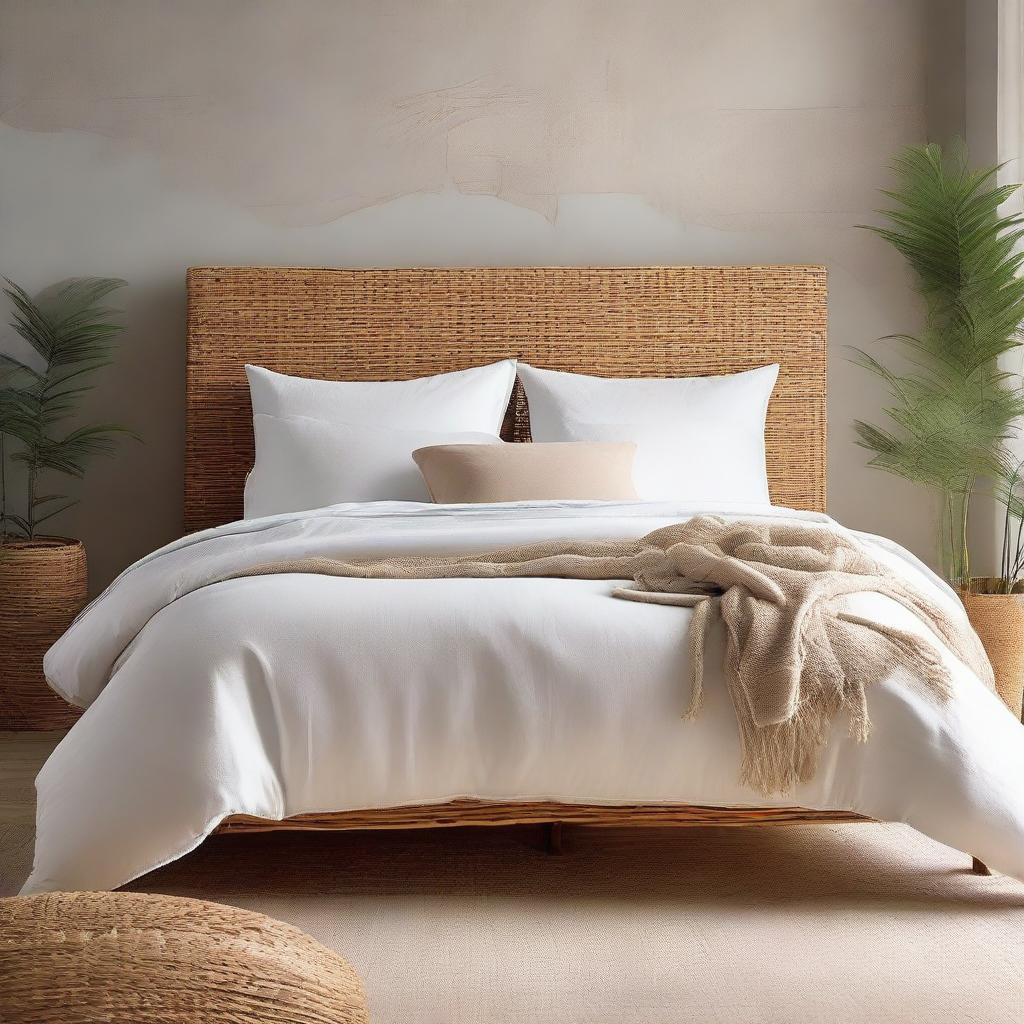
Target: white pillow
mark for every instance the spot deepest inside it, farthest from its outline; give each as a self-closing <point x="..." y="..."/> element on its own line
<point x="474" y="399"/>
<point x="302" y="463"/>
<point x="697" y="438"/>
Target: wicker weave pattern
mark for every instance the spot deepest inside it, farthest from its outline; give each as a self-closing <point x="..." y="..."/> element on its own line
<point x="127" y="958"/>
<point x="489" y="812"/>
<point x="998" y="619"/>
<point x="398" y="324"/>
<point x="43" y="586"/>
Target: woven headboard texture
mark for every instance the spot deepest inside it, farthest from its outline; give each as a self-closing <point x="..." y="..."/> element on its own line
<point x="398" y="324"/>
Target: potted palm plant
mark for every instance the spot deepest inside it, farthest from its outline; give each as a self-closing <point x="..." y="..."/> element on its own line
<point x="954" y="406"/>
<point x="43" y="580"/>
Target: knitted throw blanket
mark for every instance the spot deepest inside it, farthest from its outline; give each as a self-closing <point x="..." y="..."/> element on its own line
<point x="795" y="655"/>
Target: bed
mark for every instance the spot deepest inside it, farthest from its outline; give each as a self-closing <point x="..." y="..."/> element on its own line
<point x="384" y="324"/>
<point x="236" y="734"/>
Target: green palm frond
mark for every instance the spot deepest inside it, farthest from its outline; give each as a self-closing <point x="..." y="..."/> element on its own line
<point x="72" y="453"/>
<point x="73" y="333"/>
<point x="953" y="409"/>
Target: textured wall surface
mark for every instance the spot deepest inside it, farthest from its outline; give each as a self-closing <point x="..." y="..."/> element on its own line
<point x="140" y="136"/>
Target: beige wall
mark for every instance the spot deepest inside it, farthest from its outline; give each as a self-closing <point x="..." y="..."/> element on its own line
<point x="140" y="136"/>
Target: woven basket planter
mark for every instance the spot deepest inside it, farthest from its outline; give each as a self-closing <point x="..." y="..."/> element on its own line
<point x="998" y="619"/>
<point x="132" y="958"/>
<point x="43" y="586"/>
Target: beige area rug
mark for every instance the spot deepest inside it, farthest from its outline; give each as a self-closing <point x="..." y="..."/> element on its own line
<point x="843" y="923"/>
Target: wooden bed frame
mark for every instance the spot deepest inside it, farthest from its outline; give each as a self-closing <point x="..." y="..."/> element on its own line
<point x="398" y="324"/>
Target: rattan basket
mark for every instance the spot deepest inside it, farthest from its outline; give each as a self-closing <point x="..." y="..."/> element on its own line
<point x="998" y="619"/>
<point x="43" y="586"/>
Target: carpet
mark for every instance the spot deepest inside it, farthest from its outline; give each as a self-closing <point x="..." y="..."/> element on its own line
<point x="851" y="923"/>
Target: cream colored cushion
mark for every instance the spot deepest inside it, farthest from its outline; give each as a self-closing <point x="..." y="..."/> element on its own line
<point x="600" y="471"/>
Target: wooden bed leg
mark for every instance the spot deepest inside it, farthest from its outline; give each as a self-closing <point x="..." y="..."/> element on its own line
<point x="979" y="867"/>
<point x="553" y="837"/>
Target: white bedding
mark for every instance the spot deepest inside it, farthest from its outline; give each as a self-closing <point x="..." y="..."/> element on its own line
<point x="286" y="694"/>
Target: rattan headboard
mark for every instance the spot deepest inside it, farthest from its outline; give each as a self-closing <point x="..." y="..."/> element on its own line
<point x="396" y="324"/>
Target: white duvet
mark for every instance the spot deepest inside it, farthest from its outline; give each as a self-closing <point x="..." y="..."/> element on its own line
<point x="285" y="694"/>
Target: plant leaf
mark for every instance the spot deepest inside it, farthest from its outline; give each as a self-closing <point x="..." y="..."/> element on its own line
<point x="951" y="413"/>
<point x="74" y="333"/>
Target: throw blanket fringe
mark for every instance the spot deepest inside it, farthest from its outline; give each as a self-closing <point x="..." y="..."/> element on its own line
<point x="795" y="655"/>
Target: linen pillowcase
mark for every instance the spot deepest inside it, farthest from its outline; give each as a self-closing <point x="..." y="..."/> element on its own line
<point x="528" y="472"/>
<point x="474" y="399"/>
<point x="698" y="438"/>
<point x="303" y="463"/>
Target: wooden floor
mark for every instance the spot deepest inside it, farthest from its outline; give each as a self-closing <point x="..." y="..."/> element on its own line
<point x="21" y="756"/>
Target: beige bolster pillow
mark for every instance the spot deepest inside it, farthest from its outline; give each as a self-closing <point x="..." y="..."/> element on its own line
<point x="600" y="471"/>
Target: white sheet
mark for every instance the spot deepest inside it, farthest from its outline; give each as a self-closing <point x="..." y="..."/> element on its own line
<point x="286" y="694"/>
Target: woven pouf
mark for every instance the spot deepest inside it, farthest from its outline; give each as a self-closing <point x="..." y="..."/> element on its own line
<point x="72" y="958"/>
